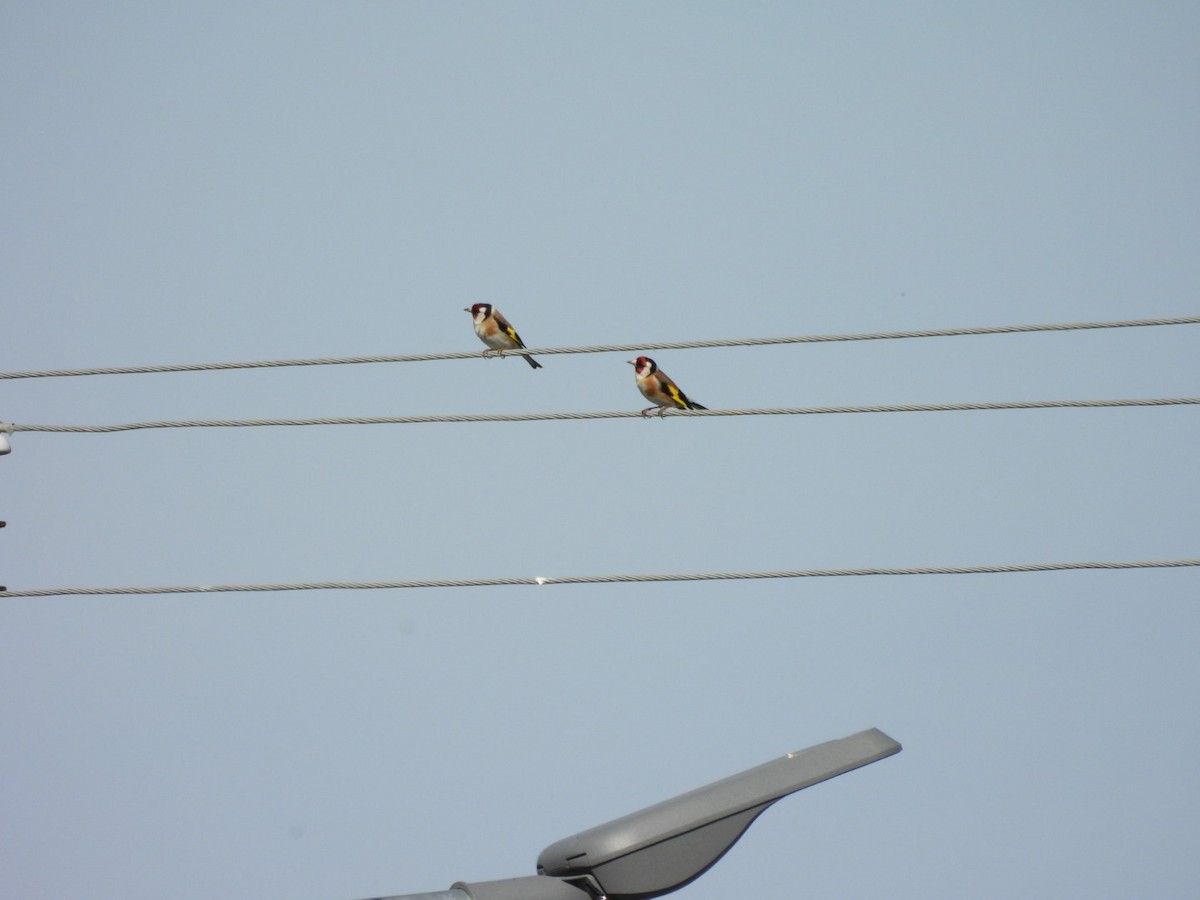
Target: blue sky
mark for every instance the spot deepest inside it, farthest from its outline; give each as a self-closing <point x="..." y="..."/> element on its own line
<point x="214" y="182"/>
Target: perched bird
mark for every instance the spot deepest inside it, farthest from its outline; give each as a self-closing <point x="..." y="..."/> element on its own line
<point x="658" y="388"/>
<point x="493" y="329"/>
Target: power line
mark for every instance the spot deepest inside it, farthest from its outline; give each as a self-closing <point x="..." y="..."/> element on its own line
<point x="605" y="348"/>
<point x="604" y="579"/>
<point x="622" y="414"/>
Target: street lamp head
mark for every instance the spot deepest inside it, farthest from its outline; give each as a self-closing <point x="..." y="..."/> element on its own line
<point x="663" y="847"/>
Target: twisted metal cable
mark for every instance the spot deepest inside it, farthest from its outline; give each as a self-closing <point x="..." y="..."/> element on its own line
<point x="604" y="579"/>
<point x="606" y="348"/>
<point x="622" y="414"/>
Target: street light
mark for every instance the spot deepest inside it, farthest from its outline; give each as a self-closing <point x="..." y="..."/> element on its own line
<point x="663" y="847"/>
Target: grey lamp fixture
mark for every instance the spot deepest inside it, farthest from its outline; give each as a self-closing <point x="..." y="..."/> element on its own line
<point x="663" y="847"/>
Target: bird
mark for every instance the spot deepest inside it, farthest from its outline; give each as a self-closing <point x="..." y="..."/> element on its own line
<point x="493" y="329"/>
<point x="658" y="388"/>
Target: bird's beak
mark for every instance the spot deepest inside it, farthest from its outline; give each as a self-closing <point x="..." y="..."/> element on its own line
<point x="466" y="309"/>
<point x="632" y="362"/>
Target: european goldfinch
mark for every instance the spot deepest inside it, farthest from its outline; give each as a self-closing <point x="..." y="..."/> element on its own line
<point x="493" y="329"/>
<point x="658" y="388"/>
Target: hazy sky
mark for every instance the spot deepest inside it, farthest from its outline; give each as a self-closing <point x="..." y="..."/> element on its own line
<point x="239" y="181"/>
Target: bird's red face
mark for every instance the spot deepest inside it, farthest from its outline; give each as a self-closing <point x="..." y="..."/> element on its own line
<point x="643" y="365"/>
<point x="479" y="309"/>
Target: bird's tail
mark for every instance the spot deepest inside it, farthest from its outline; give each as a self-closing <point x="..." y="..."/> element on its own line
<point x="533" y="363"/>
<point x="691" y="405"/>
